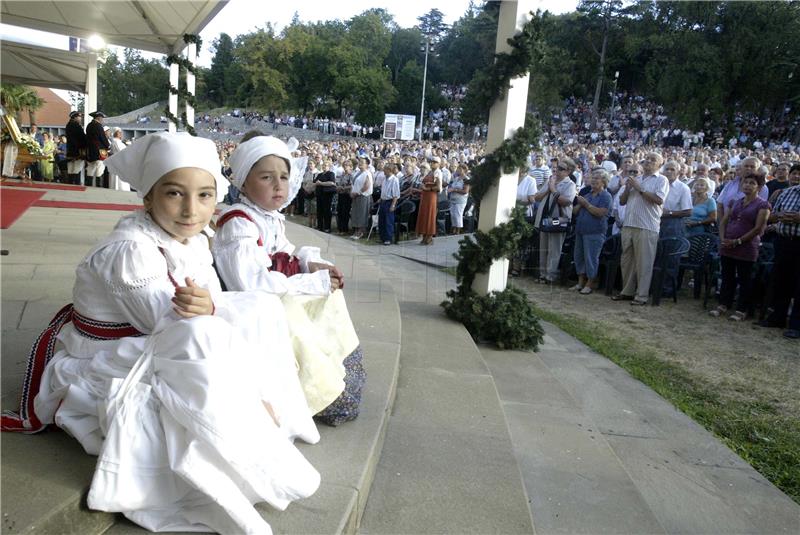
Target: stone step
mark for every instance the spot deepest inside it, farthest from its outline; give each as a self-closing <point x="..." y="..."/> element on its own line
<point x="600" y="452"/>
<point x="448" y="464"/>
<point x="46" y="476"/>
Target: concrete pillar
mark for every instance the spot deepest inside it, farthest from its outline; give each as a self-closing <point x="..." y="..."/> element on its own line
<point x="505" y="117"/>
<point x="90" y="104"/>
<point x="191" y="55"/>
<point x="173" y="99"/>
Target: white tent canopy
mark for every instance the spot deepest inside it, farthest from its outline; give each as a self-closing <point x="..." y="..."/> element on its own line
<point x="46" y="67"/>
<point x="155" y="26"/>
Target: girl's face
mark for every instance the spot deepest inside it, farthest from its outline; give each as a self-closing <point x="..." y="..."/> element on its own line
<point x="267" y="183"/>
<point x="794" y="178"/>
<point x="182" y="202"/>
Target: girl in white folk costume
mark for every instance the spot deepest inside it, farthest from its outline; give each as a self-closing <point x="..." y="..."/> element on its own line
<point x="189" y="395"/>
<point x="251" y="252"/>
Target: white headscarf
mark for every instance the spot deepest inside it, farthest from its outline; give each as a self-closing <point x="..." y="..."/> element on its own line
<point x="154" y="155"/>
<point x="248" y="153"/>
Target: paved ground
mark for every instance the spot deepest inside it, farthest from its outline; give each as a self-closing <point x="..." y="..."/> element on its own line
<point x="560" y="441"/>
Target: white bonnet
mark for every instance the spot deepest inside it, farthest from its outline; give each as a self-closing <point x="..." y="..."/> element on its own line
<point x="149" y="158"/>
<point x="251" y="151"/>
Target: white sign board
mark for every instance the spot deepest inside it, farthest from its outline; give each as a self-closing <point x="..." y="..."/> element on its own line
<point x="399" y="126"/>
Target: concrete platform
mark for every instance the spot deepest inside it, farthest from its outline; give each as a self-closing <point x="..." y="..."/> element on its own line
<point x="477" y="440"/>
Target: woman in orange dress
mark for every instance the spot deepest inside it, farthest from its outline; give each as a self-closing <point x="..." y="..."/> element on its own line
<point x="431" y="186"/>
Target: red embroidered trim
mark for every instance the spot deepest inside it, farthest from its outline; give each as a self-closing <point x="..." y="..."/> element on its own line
<point x="237" y="213"/>
<point x="42" y="352"/>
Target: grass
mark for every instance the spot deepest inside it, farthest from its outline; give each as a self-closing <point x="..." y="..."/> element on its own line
<point x="758" y="433"/>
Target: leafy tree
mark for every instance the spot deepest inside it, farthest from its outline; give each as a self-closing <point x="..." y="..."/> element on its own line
<point x="16" y="98"/>
<point x="370" y="34"/>
<point x="405" y="47"/>
<point x="432" y="24"/>
<point x="215" y="83"/>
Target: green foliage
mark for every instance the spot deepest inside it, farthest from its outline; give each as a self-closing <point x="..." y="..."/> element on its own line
<point x="491" y="84"/>
<point x="16" y="98"/>
<point x="130" y="82"/>
<point x="506" y="318"/>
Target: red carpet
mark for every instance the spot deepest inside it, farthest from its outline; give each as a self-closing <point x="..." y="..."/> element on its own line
<point x="86" y="205"/>
<point x="40" y="185"/>
<point x="14" y="202"/>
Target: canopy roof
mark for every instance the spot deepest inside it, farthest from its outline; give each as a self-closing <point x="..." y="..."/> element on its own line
<point x="45" y="67"/>
<point x="155" y="26"/>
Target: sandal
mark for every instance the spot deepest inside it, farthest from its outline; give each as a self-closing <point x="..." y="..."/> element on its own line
<point x="737" y="316"/>
<point x="717" y="312"/>
<point x="638" y="303"/>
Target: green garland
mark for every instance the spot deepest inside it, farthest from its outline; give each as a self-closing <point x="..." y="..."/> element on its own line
<point x="188" y="97"/>
<point x="506" y="318"/>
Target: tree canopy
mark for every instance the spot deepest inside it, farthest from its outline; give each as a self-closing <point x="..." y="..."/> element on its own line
<point x="701" y="60"/>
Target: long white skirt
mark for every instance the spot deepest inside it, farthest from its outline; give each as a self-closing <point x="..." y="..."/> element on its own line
<point x="191" y="446"/>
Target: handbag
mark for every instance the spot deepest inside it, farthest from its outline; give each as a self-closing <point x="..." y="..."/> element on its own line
<point x="552" y="224"/>
<point x="103" y="154"/>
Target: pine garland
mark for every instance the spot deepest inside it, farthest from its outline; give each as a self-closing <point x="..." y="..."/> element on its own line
<point x="187" y="97"/>
<point x="506" y="318"/>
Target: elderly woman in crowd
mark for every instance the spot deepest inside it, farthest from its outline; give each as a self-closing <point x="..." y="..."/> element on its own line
<point x="458" y="192"/>
<point x="743" y="223"/>
<point x="553" y="217"/>
<point x="591" y="223"/>
<point x="704" y="209"/>
<point x="361" y="193"/>
<point x="431" y="186"/>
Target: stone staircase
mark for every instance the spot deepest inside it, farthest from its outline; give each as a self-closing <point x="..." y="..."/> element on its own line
<point x="453" y="437"/>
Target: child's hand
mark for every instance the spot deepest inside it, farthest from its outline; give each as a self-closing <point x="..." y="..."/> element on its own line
<point x="192" y="300"/>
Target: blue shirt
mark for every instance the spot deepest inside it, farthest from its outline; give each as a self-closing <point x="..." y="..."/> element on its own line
<point x="589" y="224"/>
<point x="700" y="213"/>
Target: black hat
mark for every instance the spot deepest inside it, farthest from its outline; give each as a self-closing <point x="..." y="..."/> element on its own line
<point x="74" y="114"/>
<point x="97" y="113"/>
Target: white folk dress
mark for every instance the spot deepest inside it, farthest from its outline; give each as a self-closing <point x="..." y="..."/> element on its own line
<point x="322" y="333"/>
<point x="191" y="447"/>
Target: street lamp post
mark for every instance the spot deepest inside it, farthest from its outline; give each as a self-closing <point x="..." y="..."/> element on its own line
<point x="614" y="95"/>
<point x="424" y="82"/>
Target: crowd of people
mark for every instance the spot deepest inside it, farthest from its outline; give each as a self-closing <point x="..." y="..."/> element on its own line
<point x="578" y="189"/>
<point x="585" y="194"/>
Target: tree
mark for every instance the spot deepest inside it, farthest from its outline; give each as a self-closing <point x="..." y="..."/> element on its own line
<point x="405" y="47"/>
<point x="432" y="24"/>
<point x="16" y="98"/>
<point x="220" y="64"/>
<point x="606" y="13"/>
<point x="370" y="34"/>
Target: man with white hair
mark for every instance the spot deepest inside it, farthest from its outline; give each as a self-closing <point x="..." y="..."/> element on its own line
<point x="731" y="192"/>
<point x="643" y="200"/>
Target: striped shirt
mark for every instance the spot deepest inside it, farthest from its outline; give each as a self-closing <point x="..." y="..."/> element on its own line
<point x="641" y="213"/>
<point x="540" y="174"/>
<point x="391" y="188"/>
<point x="788" y="201"/>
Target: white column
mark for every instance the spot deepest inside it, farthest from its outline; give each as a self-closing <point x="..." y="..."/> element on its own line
<point x="505" y="117"/>
<point x="90" y="103"/>
<point x="173" y="99"/>
<point x="191" y="55"/>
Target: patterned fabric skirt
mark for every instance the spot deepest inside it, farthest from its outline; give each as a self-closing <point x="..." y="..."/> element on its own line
<point x="346" y="407"/>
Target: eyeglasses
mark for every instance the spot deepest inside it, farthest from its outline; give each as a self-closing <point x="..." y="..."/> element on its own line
<point x="632" y="173"/>
<point x="562" y="168"/>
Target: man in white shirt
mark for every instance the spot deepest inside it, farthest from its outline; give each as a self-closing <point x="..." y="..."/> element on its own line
<point x="677" y="205"/>
<point x="643" y="200"/>
<point x="390" y="194"/>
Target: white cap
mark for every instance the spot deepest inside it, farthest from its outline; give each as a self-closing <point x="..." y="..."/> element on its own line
<point x="248" y="153"/>
<point x="151" y="157"/>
